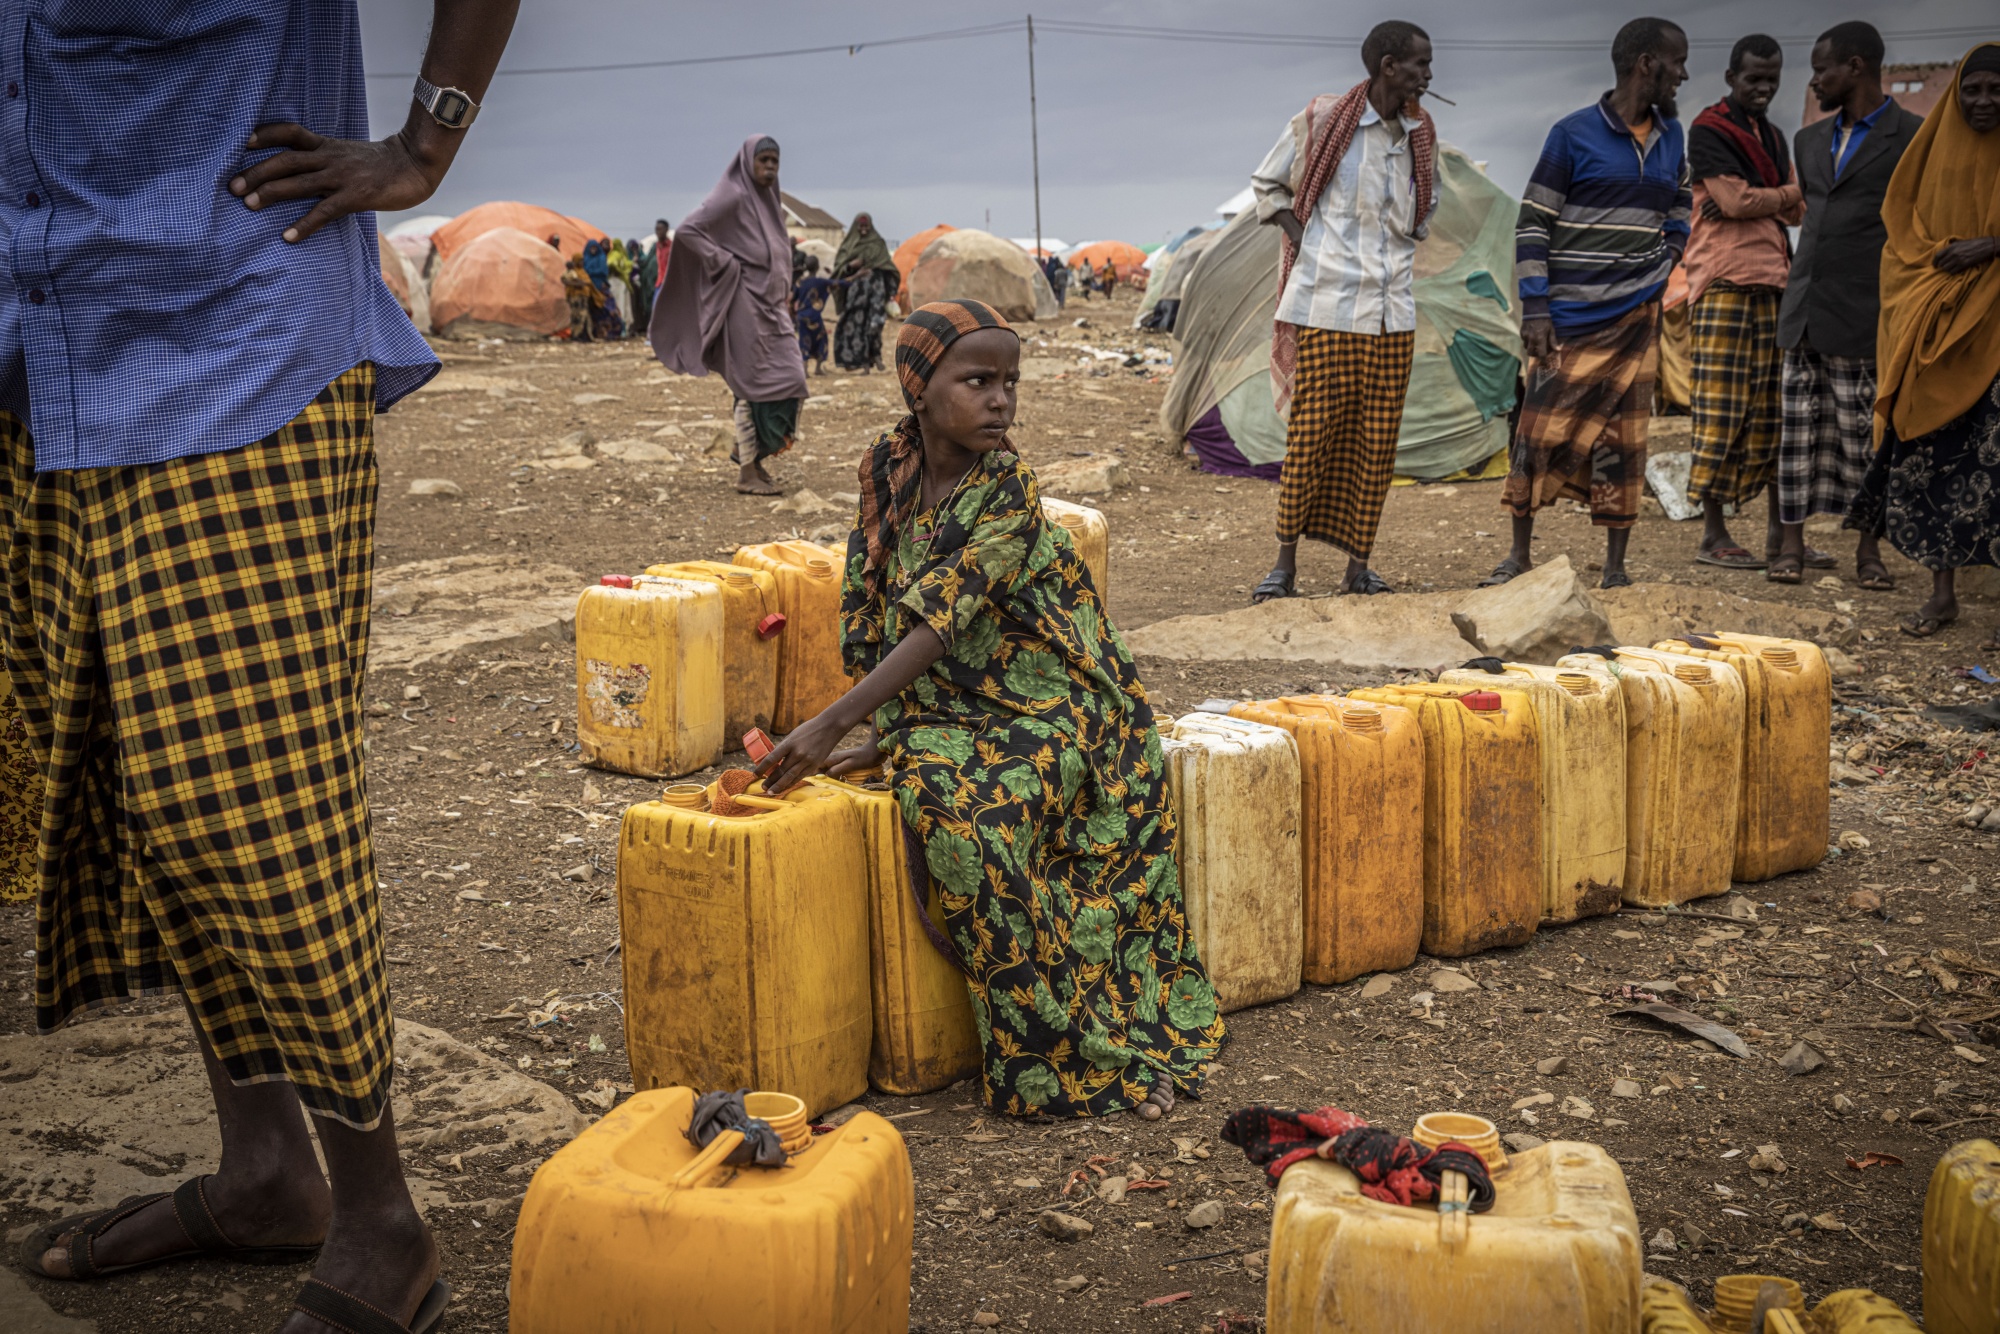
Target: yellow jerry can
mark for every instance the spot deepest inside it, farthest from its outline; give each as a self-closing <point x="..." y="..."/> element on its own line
<point x="1665" y="1308"/>
<point x="1482" y="814"/>
<point x="810" y="673"/>
<point x="1361" y="831"/>
<point x="1862" y="1311"/>
<point x="1090" y="532"/>
<point x="1783" y="812"/>
<point x="745" y="944"/>
<point x="1581" y="720"/>
<point x="1962" y="1241"/>
<point x="924" y="1035"/>
<point x="649" y="676"/>
<point x="1683" y="767"/>
<point x="1559" y="1253"/>
<point x="629" y="1229"/>
<point x="1235" y="788"/>
<point x="751" y="628"/>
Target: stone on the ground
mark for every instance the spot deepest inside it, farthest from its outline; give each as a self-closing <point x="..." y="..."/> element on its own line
<point x="1578" y="1108"/>
<point x="985" y="1319"/>
<point x="637" y="451"/>
<point x="1663" y="1242"/>
<point x="431" y="609"/>
<point x="1096" y="475"/>
<point x="1446" y="980"/>
<point x="1534" y="617"/>
<point x="1520" y="1141"/>
<point x="1206" y="1214"/>
<point x="1644" y="614"/>
<point x="1839" y="665"/>
<point x="436" y="486"/>
<point x="1060" y="1226"/>
<point x="1802" y="1059"/>
<point x="1552" y="1065"/>
<point x="134" y="1105"/>
<point x="801" y="501"/>
<point x="1626" y="1088"/>
<point x="1379" y="985"/>
<point x="585" y="400"/>
<point x="1533" y="1100"/>
<point x="1361" y="635"/>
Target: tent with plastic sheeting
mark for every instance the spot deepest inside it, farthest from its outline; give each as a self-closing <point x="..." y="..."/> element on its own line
<point x="979" y="266"/>
<point x="404" y="278"/>
<point x="505" y="283"/>
<point x="822" y="252"/>
<point x="907" y="254"/>
<point x="1465" y="367"/>
<point x="538" y="222"/>
<point x="1126" y="258"/>
<point x="1158" y="266"/>
<point x="412" y="236"/>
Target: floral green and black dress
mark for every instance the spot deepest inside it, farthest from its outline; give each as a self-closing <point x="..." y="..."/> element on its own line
<point x="1031" y="776"/>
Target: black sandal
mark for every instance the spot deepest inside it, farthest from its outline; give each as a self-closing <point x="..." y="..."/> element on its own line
<point x="1615" y="579"/>
<point x="1370" y="583"/>
<point x="1784" y="569"/>
<point x="322" y="1301"/>
<point x="190" y="1204"/>
<point x="1505" y="572"/>
<point x="1276" y="584"/>
<point x="1874" y="576"/>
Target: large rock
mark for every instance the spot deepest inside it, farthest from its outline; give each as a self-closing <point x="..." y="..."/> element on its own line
<point x="1365" y="635"/>
<point x="1644" y="614"/>
<point x="131" y="1103"/>
<point x="1095" y="475"/>
<point x="1534" y="617"/>
<point x="432" y="609"/>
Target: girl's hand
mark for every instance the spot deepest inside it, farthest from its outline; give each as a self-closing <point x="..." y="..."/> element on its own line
<point x="859" y="758"/>
<point x="803" y="753"/>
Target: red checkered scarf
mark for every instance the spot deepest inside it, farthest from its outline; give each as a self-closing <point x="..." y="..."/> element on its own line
<point x="1326" y="127"/>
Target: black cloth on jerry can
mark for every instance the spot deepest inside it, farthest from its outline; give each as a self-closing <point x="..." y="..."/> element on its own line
<point x="720" y="1111"/>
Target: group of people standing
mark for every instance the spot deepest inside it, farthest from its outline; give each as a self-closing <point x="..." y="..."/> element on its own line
<point x="610" y="285"/>
<point x="1854" y="376"/>
<point x="861" y="288"/>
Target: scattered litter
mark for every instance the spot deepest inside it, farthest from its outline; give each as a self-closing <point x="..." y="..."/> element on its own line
<point x="1167" y="1300"/>
<point x="1692" y="1024"/>
<point x="1874" y="1158"/>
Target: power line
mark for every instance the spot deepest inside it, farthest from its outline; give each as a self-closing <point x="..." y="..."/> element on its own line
<point x="1210" y="36"/>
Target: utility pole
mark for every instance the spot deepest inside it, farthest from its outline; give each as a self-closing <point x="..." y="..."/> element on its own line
<point x="1035" y="140"/>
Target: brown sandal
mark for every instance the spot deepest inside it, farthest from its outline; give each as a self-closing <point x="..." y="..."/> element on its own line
<point x="191" y="1211"/>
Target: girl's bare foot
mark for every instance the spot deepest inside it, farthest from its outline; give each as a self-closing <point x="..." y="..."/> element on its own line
<point x="1159" y="1099"/>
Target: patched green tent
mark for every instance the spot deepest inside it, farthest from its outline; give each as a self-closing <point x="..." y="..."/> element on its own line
<point x="1468" y="348"/>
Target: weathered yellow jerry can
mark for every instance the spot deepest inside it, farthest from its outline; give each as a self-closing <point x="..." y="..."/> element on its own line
<point x="1558" y="1253"/>
<point x="1091" y="532"/>
<point x="751" y="628"/>
<point x="1683" y="767"/>
<point x="1235" y="789"/>
<point x="1361" y="831"/>
<point x="1665" y="1308"/>
<point x="1861" y="1311"/>
<point x="1581" y="720"/>
<point x="1783" y="816"/>
<point x="1962" y="1241"/>
<point x="924" y="1035"/>
<point x="649" y="676"/>
<point x="1482" y="814"/>
<point x="745" y="944"/>
<point x="810" y="673"/>
<point x="629" y="1229"/>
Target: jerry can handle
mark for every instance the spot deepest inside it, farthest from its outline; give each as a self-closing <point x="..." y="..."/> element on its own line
<point x="708" y="1164"/>
<point x="1454" y="1210"/>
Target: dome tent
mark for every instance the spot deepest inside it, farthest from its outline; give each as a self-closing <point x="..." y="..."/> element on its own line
<point x="1126" y="258"/>
<point x="505" y="283"/>
<point x="538" y="222"/>
<point x="1468" y="347"/>
<point x="907" y="254"/>
<point x="979" y="266"/>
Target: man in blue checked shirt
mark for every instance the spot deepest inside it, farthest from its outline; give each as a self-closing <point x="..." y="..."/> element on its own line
<point x="194" y="342"/>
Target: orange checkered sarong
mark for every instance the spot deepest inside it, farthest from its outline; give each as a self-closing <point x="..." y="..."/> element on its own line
<point x="1340" y="443"/>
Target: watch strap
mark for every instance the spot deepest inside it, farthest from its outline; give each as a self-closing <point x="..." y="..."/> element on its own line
<point x="442" y="103"/>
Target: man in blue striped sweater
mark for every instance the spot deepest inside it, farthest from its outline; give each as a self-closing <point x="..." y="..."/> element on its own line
<point x="1603" y="222"/>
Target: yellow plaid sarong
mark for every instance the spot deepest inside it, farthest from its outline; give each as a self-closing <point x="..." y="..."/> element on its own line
<point x="186" y="642"/>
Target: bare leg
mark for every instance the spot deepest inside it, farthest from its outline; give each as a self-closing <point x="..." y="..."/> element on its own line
<point x="1615" y="542"/>
<point x="1942" y="605"/>
<point x="377" y="1248"/>
<point x="1714" y="527"/>
<point x="1524" y="537"/>
<point x="266" y="1191"/>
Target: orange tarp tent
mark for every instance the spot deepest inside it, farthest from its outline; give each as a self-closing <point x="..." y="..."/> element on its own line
<point x="538" y="222"/>
<point x="1126" y="259"/>
<point x="912" y="250"/>
<point x="506" y="276"/>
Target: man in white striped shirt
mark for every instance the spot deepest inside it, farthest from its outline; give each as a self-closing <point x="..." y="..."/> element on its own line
<point x="1352" y="184"/>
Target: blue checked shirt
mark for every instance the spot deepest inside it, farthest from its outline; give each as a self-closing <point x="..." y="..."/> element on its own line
<point x="145" y="313"/>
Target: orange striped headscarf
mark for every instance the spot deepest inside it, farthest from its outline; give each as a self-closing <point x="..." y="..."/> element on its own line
<point x="892" y="470"/>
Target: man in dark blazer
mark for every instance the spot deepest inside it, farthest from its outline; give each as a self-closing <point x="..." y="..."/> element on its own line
<point x="1826" y="323"/>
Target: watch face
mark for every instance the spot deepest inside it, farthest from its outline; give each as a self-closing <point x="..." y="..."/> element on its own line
<point x="452" y="106"/>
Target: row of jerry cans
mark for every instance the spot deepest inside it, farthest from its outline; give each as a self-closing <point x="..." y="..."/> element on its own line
<point x="674" y="664"/>
<point x="1325" y="837"/>
<point x="780" y="946"/>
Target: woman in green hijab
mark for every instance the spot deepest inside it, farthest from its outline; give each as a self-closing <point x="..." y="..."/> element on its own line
<point x="866" y="276"/>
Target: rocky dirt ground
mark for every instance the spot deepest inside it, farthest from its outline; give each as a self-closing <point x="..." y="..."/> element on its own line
<point x="497" y="855"/>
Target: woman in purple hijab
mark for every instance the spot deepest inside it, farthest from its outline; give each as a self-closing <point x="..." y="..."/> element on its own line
<point x="725" y="306"/>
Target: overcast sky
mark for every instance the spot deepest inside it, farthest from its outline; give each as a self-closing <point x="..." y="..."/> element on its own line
<point x="1139" y="138"/>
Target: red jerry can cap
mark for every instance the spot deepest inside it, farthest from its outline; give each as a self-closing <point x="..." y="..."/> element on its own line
<point x="770" y="625"/>
<point x="757" y="745"/>
<point x="616" y="581"/>
<point x="1482" y="701"/>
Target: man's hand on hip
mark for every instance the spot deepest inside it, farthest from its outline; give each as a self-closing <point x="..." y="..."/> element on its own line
<point x="346" y="175"/>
